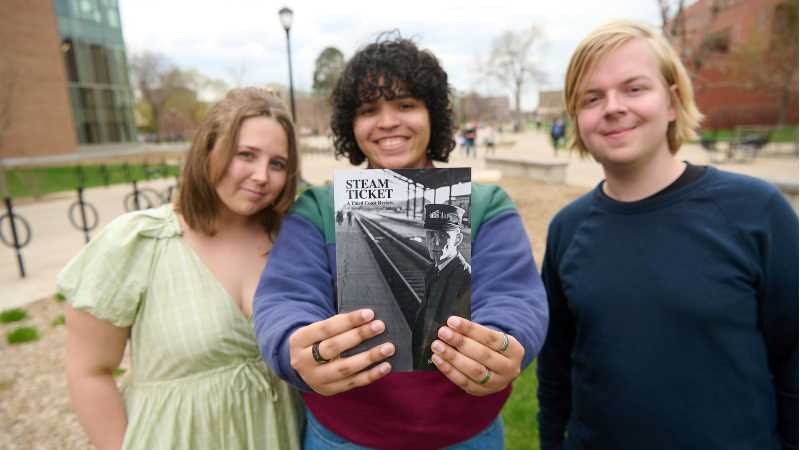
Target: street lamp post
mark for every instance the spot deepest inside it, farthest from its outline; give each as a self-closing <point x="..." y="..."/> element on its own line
<point x="286" y="16"/>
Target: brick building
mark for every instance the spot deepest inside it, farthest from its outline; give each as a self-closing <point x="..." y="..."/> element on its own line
<point x="742" y="55"/>
<point x="63" y="77"/>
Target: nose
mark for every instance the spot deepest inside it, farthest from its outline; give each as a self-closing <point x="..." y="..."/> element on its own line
<point x="387" y="118"/>
<point x="614" y="104"/>
<point x="261" y="171"/>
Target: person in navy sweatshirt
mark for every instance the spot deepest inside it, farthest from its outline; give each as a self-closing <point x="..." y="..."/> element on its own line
<point x="672" y="287"/>
<point x="391" y="108"/>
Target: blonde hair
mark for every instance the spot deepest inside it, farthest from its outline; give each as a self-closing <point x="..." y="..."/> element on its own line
<point x="198" y="201"/>
<point x="612" y="36"/>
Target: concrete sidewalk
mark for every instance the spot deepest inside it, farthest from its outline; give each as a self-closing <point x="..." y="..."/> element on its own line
<point x="55" y="241"/>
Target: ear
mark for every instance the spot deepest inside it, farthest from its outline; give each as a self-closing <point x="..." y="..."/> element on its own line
<point x="674" y="97"/>
<point x="459" y="238"/>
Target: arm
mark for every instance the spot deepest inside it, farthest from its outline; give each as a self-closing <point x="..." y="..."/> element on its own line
<point x="94" y="349"/>
<point x="507" y="297"/>
<point x="778" y="309"/>
<point x="294" y="308"/>
<point x="554" y="366"/>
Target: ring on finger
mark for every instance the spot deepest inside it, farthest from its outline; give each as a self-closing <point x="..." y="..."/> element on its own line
<point x="504" y="347"/>
<point x="486" y="377"/>
<point x="317" y="356"/>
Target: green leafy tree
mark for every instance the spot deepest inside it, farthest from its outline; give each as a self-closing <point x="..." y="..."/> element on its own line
<point x="327" y="68"/>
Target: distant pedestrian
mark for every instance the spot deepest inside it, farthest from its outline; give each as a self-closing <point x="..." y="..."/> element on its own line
<point x="470" y="134"/>
<point x="489" y="139"/>
<point x="556" y="134"/>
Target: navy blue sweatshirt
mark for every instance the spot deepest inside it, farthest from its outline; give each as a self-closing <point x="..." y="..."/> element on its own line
<point x="673" y="320"/>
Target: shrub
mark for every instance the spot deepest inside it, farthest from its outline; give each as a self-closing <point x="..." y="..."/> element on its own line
<point x="118" y="372"/>
<point x="59" y="297"/>
<point x="22" y="334"/>
<point x="59" y="320"/>
<point x="13" y="315"/>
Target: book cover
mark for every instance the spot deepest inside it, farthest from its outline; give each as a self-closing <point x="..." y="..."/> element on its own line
<point x="403" y="247"/>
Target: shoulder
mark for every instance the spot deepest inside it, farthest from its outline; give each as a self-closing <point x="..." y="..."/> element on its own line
<point x="315" y="204"/>
<point x="723" y="185"/>
<point x="155" y="223"/>
<point x="487" y="202"/>
<point x="743" y="198"/>
<point x="575" y="211"/>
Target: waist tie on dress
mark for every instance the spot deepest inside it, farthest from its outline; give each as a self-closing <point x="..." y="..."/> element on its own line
<point x="247" y="373"/>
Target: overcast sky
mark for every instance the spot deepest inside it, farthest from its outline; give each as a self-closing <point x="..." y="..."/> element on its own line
<point x="243" y="39"/>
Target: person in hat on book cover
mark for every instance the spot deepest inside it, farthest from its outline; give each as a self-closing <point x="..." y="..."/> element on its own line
<point x="447" y="281"/>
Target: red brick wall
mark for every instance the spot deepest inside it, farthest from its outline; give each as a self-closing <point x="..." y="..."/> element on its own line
<point x="40" y="116"/>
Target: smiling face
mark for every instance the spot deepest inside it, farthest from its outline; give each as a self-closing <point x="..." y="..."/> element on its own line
<point x="624" y="107"/>
<point x="256" y="175"/>
<point x="393" y="134"/>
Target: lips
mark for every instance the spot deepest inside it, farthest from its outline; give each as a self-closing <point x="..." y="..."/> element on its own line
<point x="391" y="142"/>
<point x="254" y="193"/>
<point x="617" y="132"/>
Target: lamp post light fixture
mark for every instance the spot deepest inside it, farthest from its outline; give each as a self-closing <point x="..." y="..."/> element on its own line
<point x="286" y="15"/>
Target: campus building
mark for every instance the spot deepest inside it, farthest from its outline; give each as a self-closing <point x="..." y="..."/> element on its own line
<point x="63" y="77"/>
<point x="742" y="55"/>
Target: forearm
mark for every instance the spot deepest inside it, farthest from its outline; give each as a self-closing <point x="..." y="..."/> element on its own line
<point x="100" y="408"/>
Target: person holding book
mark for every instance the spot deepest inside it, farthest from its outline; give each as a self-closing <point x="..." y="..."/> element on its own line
<point x="163" y="279"/>
<point x="673" y="287"/>
<point x="391" y="108"/>
<point x="447" y="281"/>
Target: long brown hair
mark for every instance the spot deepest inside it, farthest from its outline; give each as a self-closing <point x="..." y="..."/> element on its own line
<point x="213" y="147"/>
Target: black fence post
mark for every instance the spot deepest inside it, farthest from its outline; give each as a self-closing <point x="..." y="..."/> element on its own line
<point x="15" y="236"/>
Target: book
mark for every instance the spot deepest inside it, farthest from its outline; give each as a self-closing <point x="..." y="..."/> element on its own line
<point x="403" y="249"/>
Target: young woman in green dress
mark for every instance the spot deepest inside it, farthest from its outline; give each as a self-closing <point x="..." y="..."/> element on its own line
<point x="177" y="282"/>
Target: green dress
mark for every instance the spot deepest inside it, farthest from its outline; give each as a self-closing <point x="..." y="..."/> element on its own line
<point x="197" y="379"/>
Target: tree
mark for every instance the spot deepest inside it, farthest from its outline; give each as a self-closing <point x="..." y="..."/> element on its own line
<point x="327" y="68"/>
<point x="155" y="79"/>
<point x="511" y="61"/>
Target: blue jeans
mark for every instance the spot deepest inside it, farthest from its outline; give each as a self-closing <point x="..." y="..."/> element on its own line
<point x="317" y="437"/>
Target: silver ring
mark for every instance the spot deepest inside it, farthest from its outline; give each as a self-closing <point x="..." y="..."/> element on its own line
<point x="486" y="377"/>
<point x="505" y="344"/>
<point x="317" y="356"/>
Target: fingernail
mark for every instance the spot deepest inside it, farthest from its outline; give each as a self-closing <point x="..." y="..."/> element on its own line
<point x="454" y="322"/>
<point x="438" y="346"/>
<point x="436" y="359"/>
<point x="445" y="333"/>
<point x="366" y="314"/>
<point x="385" y="368"/>
<point x="376" y="326"/>
<point x="387" y="349"/>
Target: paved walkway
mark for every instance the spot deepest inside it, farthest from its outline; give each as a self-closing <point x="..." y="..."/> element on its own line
<point x="55" y="241"/>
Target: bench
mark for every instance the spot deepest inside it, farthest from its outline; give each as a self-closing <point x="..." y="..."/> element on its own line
<point x="744" y="147"/>
<point x="549" y="171"/>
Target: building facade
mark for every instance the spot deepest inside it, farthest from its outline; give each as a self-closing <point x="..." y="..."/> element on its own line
<point x="742" y="55"/>
<point x="63" y="77"/>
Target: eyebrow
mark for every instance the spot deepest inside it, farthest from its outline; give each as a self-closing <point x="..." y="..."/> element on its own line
<point x="628" y="80"/>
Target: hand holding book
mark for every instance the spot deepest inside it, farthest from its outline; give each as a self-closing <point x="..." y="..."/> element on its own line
<point x="315" y="350"/>
<point x="480" y="360"/>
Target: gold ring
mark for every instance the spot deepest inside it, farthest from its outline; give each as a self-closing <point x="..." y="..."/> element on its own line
<point x="315" y="353"/>
<point x="505" y="344"/>
<point x="486" y="377"/>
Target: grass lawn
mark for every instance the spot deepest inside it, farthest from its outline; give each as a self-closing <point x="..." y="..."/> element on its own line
<point x="787" y="133"/>
<point x="38" y="181"/>
<point x="519" y="413"/>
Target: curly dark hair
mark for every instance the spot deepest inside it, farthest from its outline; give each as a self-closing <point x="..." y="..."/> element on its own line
<point x="386" y="68"/>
